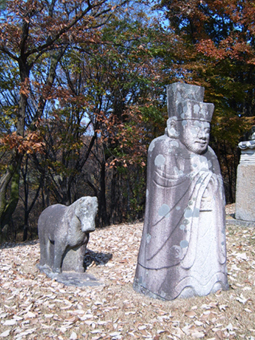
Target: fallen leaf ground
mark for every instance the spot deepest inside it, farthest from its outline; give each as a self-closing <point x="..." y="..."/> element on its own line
<point x="33" y="306"/>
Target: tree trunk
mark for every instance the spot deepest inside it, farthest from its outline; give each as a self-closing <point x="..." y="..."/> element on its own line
<point x="102" y="211"/>
<point x="7" y="207"/>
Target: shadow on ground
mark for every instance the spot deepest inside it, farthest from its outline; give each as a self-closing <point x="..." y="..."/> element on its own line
<point x="6" y="245"/>
<point x="95" y="258"/>
<point x="77" y="279"/>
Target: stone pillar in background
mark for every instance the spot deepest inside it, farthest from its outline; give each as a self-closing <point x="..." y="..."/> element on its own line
<point x="183" y="247"/>
<point x="245" y="184"/>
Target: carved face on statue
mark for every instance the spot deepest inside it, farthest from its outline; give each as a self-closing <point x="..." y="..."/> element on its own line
<point x="194" y="134"/>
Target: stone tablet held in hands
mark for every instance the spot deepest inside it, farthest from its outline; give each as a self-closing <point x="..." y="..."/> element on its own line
<point x="64" y="234"/>
<point x="183" y="247"/>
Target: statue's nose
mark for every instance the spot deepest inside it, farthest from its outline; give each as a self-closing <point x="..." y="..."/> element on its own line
<point x="202" y="135"/>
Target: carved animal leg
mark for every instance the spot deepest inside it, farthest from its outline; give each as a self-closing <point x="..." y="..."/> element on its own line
<point x="42" y="253"/>
<point x="44" y="245"/>
<point x="80" y="254"/>
<point x="47" y="252"/>
<point x="59" y="250"/>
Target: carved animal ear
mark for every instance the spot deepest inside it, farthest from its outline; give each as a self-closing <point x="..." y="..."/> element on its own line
<point x="172" y="127"/>
<point x="75" y="222"/>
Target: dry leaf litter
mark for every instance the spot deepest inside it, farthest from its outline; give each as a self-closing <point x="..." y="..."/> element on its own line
<point x="36" y="307"/>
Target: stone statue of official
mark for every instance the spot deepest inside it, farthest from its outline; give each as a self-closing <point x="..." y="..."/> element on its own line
<point x="183" y="247"/>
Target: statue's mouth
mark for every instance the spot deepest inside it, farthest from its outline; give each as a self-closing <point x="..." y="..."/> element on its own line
<point x="88" y="229"/>
<point x="201" y="142"/>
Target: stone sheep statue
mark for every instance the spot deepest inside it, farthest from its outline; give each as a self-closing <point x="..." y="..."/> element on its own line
<point x="64" y="234"/>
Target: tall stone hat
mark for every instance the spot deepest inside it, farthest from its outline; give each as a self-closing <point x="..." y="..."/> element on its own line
<point x="185" y="101"/>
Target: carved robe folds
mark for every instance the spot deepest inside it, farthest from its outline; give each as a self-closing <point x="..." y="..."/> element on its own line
<point x="183" y="248"/>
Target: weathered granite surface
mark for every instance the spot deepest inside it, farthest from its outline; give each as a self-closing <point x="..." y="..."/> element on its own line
<point x="245" y="184"/>
<point x="240" y="223"/>
<point x="64" y="234"/>
<point x="71" y="278"/>
<point x="183" y="247"/>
